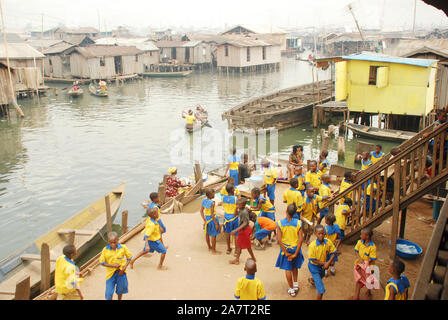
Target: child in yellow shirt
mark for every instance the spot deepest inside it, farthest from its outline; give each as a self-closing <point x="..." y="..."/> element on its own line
<point x="309" y="212"/>
<point x="325" y="193"/>
<point x="292" y="195"/>
<point x="249" y="287"/>
<point x="397" y="287"/>
<point x="313" y="176"/>
<point x="66" y="276"/>
<point x="298" y="174"/>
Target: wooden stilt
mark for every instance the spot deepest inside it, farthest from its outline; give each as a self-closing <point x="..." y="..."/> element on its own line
<point x="45" y="270"/>
<point x="396" y="210"/>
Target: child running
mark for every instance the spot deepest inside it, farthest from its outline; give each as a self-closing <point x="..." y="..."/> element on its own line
<point x="366" y="251"/>
<point x="231" y="221"/>
<point x="290" y="258"/>
<point x="249" y="287"/>
<point x="152" y="238"/>
<point x="116" y="258"/>
<point x="313" y="176"/>
<point x="292" y="195"/>
<point x="324" y="192"/>
<point x="332" y="233"/>
<point x="244" y="231"/>
<point x="270" y="179"/>
<point x="397" y="287"/>
<point x="298" y="174"/>
<point x="211" y="223"/>
<point x="155" y="203"/>
<point x="324" y="164"/>
<point x="266" y="227"/>
<point x="66" y="278"/>
<point x="321" y="254"/>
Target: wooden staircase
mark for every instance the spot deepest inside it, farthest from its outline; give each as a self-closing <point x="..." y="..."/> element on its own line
<point x="409" y="183"/>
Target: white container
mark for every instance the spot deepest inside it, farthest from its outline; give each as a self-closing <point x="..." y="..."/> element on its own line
<point x="255" y="181"/>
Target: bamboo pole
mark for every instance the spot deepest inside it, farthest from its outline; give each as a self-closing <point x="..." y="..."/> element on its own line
<point x="42" y="50"/>
<point x="13" y="95"/>
<point x="45" y="271"/>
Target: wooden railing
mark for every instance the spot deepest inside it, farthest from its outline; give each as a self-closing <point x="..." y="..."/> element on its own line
<point x="406" y="172"/>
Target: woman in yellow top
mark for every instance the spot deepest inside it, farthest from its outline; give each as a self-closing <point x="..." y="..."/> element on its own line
<point x="290" y="238"/>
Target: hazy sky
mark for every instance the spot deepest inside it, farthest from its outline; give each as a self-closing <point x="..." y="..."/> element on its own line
<point x="212" y="13"/>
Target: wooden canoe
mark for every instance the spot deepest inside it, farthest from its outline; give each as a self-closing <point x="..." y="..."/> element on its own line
<point x="93" y="88"/>
<point x="89" y="225"/>
<point x="197" y="127"/>
<point x="174" y="74"/>
<point x="382" y="134"/>
<point x="75" y="93"/>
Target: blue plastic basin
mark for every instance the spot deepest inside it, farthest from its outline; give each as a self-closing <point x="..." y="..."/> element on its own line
<point x="406" y="255"/>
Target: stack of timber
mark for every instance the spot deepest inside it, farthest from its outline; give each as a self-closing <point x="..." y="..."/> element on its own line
<point x="283" y="109"/>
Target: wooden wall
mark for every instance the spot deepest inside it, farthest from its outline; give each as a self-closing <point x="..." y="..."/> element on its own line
<point x="5" y="95"/>
<point x="238" y="56"/>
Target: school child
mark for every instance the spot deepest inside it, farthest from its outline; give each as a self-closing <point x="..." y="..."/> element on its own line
<point x="152" y="238"/>
<point x="211" y="223"/>
<point x="298" y="174"/>
<point x="365" y="160"/>
<point x="397" y="287"/>
<point x="232" y="166"/>
<point x="262" y="204"/>
<point x="236" y="191"/>
<point x="342" y="212"/>
<point x="371" y="191"/>
<point x="270" y="179"/>
<point x="346" y="183"/>
<point x="290" y="258"/>
<point x="292" y="195"/>
<point x="313" y="176"/>
<point x="366" y="251"/>
<point x="324" y="164"/>
<point x="244" y="231"/>
<point x="249" y="287"/>
<point x="321" y="253"/>
<point x="231" y="222"/>
<point x="116" y="258"/>
<point x="310" y="205"/>
<point x="66" y="278"/>
<point x="155" y="203"/>
<point x="332" y="233"/>
<point x="266" y="227"/>
<point x="324" y="192"/>
<point x="377" y="154"/>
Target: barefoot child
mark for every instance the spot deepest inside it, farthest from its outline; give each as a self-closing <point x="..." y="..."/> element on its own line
<point x="292" y="195"/>
<point x="154" y="196"/>
<point x="244" y="231"/>
<point x="332" y="233"/>
<point x="231" y="222"/>
<point x="324" y="192"/>
<point x="313" y="176"/>
<point x="267" y="226"/>
<point x="321" y="254"/>
<point x="152" y="238"/>
<point x="66" y="277"/>
<point x="298" y="174"/>
<point x="324" y="164"/>
<point x="248" y="287"/>
<point x="397" y="287"/>
<point x="211" y="223"/>
<point x="366" y="251"/>
<point x="290" y="258"/>
<point x="116" y="258"/>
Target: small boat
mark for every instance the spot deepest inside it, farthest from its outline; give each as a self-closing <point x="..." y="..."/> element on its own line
<point x="89" y="225"/>
<point x="174" y="74"/>
<point x="196" y="125"/>
<point x="93" y="90"/>
<point x="75" y="93"/>
<point x="383" y="134"/>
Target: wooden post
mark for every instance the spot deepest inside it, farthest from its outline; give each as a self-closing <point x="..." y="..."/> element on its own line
<point x="45" y="271"/>
<point x="162" y="190"/>
<point x="23" y="289"/>
<point x="341" y="148"/>
<point x="197" y="172"/>
<point x="396" y="209"/>
<point x="124" y="222"/>
<point x="108" y="214"/>
<point x="315" y="117"/>
<point x="71" y="237"/>
<point x="403" y="222"/>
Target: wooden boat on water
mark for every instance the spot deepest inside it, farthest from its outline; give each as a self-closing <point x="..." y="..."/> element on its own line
<point x="75" y="93"/>
<point x="88" y="225"/>
<point x="173" y="74"/>
<point x="382" y="134"/>
<point x="93" y="90"/>
<point x="196" y="125"/>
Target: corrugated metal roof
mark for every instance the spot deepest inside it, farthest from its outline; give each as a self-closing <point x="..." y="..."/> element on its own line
<point x="177" y="44"/>
<point x="45" y="43"/>
<point x="11" y="38"/>
<point x="258" y="29"/>
<point x="104" y="51"/>
<point x="246" y="43"/>
<point x="141" y="43"/>
<point x="19" y="51"/>
<point x="58" y="48"/>
<point x="389" y="59"/>
<point x="407" y="47"/>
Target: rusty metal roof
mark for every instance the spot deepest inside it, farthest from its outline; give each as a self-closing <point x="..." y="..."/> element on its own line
<point x="19" y="51"/>
<point x="104" y="51"/>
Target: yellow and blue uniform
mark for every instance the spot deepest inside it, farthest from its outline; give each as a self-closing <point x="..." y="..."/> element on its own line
<point x="324" y="192"/>
<point x="376" y="157"/>
<point x="366" y="252"/>
<point x="265" y="227"/>
<point x="301" y="186"/>
<point x="66" y="279"/>
<point x="270" y="178"/>
<point x="313" y="178"/>
<point x="322" y="252"/>
<point x="155" y="205"/>
<point x="190" y="119"/>
<point x="234" y="162"/>
<point x="365" y="164"/>
<point x="310" y="206"/>
<point x="249" y="288"/>
<point x="267" y="209"/>
<point x="210" y="226"/>
<point x="224" y="191"/>
<point x="400" y="287"/>
<point x="114" y="281"/>
<point x="231" y="221"/>
<point x="331" y="233"/>
<point x="369" y="194"/>
<point x="152" y="236"/>
<point x="324" y="166"/>
<point x="294" y="196"/>
<point x="290" y="240"/>
<point x="445" y="146"/>
<point x="344" y="186"/>
<point x="341" y="219"/>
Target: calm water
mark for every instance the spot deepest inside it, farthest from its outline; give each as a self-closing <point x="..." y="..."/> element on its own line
<point x="67" y="152"/>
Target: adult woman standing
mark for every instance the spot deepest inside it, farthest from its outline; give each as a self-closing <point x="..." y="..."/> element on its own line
<point x="295" y="159"/>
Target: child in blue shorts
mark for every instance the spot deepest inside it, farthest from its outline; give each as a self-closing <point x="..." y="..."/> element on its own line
<point x="152" y="237"/>
<point x="231" y="221"/>
<point x="116" y="258"/>
<point x="321" y="253"/>
<point x="211" y="223"/>
<point x="270" y="179"/>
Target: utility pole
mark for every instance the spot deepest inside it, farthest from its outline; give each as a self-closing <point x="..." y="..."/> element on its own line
<point x="42" y="51"/>
<point x="356" y="21"/>
<point x="415" y="13"/>
<point x="99" y="25"/>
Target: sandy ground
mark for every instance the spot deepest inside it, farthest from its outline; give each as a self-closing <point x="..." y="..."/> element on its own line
<point x="196" y="274"/>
